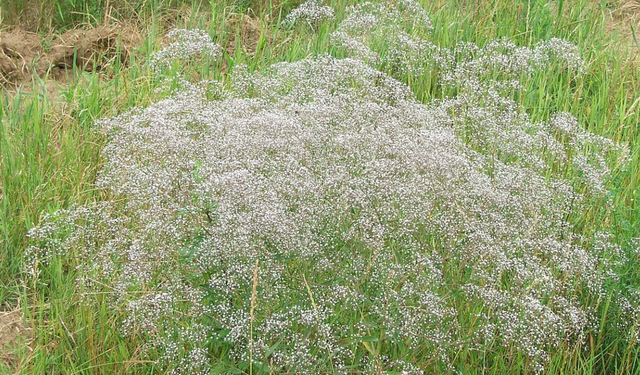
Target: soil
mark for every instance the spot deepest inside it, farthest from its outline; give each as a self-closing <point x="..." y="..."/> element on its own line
<point x="13" y="334"/>
<point x="24" y="55"/>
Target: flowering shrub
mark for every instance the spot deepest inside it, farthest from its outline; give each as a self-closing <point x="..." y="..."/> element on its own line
<point x="184" y="44"/>
<point x="311" y="12"/>
<point x="318" y="217"/>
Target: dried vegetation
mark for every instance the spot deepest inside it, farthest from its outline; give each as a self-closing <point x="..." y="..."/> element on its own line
<point x="24" y="55"/>
<point x="14" y="336"/>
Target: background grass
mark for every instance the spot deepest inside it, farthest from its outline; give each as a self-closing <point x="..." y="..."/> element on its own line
<point x="49" y="154"/>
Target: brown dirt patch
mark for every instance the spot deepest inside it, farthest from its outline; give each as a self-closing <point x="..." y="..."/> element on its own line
<point x="14" y="336"/>
<point x="24" y="55"/>
<point x="19" y="52"/>
<point x="93" y="49"/>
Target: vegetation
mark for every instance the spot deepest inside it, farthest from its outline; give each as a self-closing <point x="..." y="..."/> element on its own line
<point x="327" y="187"/>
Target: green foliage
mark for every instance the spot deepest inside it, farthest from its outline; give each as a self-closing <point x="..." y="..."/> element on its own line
<point x="49" y="156"/>
<point x="61" y="15"/>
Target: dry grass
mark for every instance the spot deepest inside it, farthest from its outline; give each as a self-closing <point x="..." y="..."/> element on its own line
<point x="14" y="335"/>
<point x="246" y="36"/>
<point x="624" y="20"/>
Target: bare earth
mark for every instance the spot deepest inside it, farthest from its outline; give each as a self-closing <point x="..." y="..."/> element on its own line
<point x="24" y="54"/>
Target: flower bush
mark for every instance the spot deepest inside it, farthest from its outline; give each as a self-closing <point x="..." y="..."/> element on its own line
<point x="318" y="217"/>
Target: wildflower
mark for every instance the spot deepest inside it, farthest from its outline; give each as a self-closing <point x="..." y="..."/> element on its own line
<point x="184" y="44"/>
<point x="333" y="166"/>
<point x="310" y="12"/>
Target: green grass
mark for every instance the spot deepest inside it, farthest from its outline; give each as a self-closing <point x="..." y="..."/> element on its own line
<point x="61" y="15"/>
<point x="49" y="156"/>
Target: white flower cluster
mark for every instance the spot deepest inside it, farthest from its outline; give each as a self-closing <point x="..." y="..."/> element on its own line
<point x="311" y="12"/>
<point x="184" y="44"/>
<point x="381" y="33"/>
<point x="360" y="216"/>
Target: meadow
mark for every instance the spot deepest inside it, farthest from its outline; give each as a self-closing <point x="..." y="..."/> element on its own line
<point x="338" y="186"/>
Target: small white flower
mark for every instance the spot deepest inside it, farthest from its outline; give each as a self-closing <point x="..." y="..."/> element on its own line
<point x="310" y="12"/>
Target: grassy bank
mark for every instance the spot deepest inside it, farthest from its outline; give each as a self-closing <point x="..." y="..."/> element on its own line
<point x="50" y="157"/>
